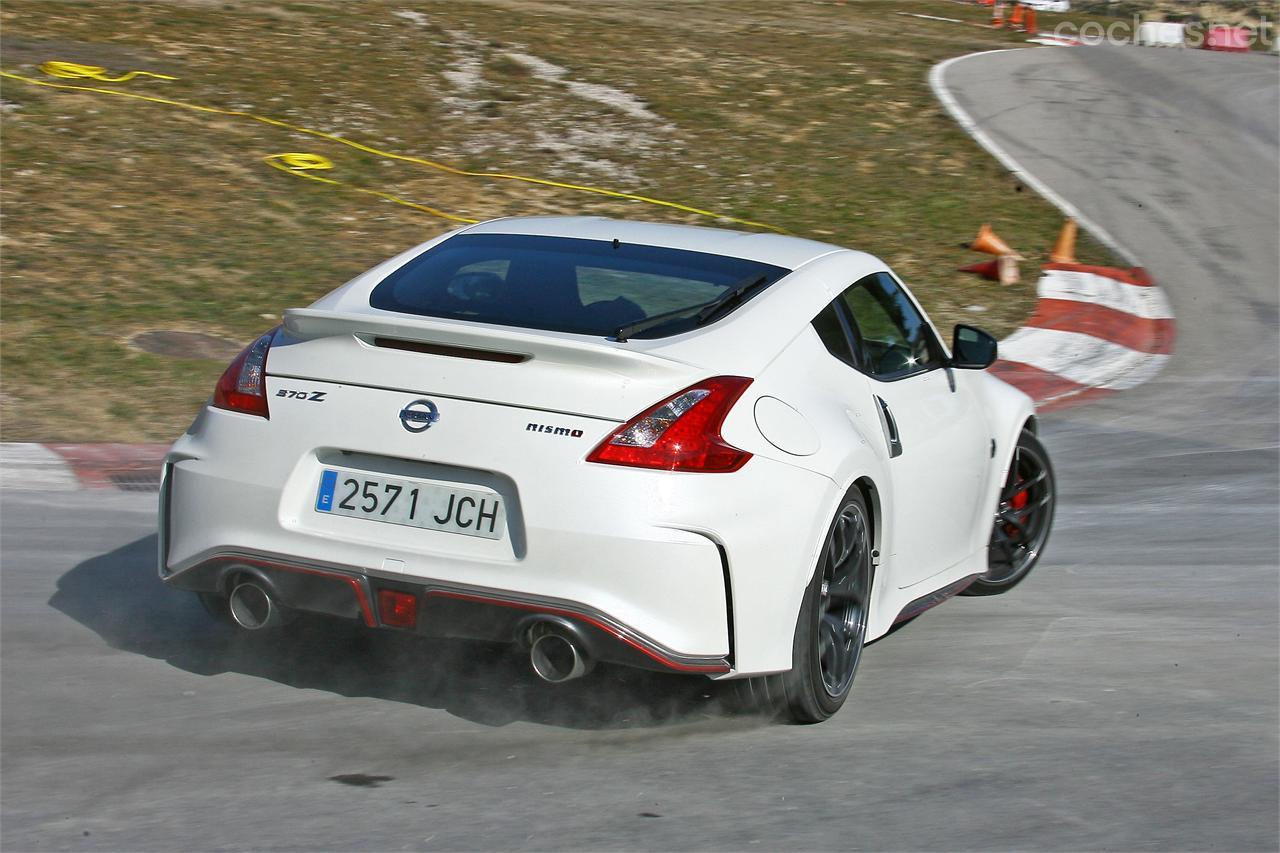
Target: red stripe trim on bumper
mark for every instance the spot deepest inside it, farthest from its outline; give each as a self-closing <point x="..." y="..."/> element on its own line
<point x="612" y="630"/>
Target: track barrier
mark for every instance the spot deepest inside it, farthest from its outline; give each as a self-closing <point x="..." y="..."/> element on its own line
<point x="1228" y="39"/>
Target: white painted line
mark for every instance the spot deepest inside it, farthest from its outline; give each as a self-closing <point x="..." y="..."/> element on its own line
<point x="970" y="126"/>
<point x="1082" y="358"/>
<point x="34" y="466"/>
<point x="1148" y="303"/>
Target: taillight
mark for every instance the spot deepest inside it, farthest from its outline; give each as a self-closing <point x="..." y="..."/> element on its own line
<point x="243" y="386"/>
<point x="682" y="433"/>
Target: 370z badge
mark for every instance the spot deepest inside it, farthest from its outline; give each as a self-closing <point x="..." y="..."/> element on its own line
<point x="313" y="396"/>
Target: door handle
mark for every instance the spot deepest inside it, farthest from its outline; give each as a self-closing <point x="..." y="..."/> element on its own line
<point x="890" y="427"/>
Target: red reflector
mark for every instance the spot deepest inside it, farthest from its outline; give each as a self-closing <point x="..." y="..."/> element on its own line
<point x="397" y="609"/>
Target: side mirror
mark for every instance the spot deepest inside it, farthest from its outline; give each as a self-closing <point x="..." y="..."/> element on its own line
<point x="972" y="348"/>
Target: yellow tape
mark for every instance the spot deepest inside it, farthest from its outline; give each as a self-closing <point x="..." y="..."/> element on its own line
<point x="497" y="176"/>
<point x="76" y="71"/>
<point x="301" y="164"/>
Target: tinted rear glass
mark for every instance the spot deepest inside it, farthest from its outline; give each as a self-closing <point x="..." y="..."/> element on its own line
<point x="587" y="287"/>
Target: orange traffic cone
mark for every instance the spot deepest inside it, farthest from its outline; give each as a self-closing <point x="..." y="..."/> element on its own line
<point x="1030" y="26"/>
<point x="1015" y="20"/>
<point x="988" y="241"/>
<point x="1064" y="251"/>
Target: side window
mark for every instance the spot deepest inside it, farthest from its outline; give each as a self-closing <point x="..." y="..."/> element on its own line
<point x="893" y="338"/>
<point x="830" y="328"/>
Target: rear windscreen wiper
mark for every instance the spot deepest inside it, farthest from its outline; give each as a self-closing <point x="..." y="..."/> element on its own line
<point x="731" y="297"/>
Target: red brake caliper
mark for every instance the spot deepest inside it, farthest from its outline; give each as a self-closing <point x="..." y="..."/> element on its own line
<point x="1016" y="503"/>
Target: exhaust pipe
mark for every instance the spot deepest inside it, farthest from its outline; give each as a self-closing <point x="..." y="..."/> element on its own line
<point x="253" y="607"/>
<point x="556" y="654"/>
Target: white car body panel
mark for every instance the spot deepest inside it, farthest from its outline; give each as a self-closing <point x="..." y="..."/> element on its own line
<point x="703" y="566"/>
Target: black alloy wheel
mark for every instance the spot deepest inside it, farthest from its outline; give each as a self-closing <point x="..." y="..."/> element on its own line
<point x="1023" y="519"/>
<point x="843" y="597"/>
<point x="831" y="627"/>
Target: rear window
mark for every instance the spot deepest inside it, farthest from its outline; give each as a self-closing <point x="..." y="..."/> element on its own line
<point x="588" y="287"/>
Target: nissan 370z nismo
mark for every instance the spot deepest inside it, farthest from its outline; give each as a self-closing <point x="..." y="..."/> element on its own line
<point x="686" y="449"/>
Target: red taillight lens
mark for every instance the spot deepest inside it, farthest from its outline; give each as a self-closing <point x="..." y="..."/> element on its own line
<point x="243" y="386"/>
<point x="682" y="433"/>
<point x="397" y="609"/>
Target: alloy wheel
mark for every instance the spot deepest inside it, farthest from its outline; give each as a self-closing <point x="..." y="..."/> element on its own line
<point x="1022" y="518"/>
<point x="843" y="599"/>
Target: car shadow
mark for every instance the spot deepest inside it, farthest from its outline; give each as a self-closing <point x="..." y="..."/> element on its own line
<point x="119" y="596"/>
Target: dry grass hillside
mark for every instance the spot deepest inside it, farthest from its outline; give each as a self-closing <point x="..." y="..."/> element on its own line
<point x="122" y="217"/>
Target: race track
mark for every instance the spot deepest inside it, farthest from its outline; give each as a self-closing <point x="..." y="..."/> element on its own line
<point x="1125" y="697"/>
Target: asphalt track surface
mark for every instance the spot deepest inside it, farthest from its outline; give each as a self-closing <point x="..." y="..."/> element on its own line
<point x="1124" y="697"/>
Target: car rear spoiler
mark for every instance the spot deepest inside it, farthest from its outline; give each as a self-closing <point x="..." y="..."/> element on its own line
<point x="492" y="343"/>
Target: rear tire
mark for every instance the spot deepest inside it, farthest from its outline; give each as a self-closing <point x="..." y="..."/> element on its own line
<point x="1023" y="519"/>
<point x="830" y="628"/>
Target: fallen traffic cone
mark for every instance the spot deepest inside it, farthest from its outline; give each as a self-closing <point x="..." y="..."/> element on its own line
<point x="1015" y="20"/>
<point x="1003" y="269"/>
<point x="987" y="241"/>
<point x="989" y="270"/>
<point x="1007" y="269"/>
<point x="1064" y="251"/>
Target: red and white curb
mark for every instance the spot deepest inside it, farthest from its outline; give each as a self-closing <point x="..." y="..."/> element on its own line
<point x="68" y="467"/>
<point x="1095" y="330"/>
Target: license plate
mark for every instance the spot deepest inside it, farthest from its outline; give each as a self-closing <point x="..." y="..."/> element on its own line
<point x="412" y="503"/>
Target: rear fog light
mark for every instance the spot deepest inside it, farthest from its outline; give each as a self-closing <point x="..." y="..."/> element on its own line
<point x="397" y="609"/>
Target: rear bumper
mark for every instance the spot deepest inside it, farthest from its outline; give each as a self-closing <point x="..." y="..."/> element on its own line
<point x="688" y="572"/>
<point x="443" y="610"/>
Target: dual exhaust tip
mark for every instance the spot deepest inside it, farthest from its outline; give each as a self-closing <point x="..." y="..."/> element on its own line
<point x="557" y="652"/>
<point x="253" y="607"/>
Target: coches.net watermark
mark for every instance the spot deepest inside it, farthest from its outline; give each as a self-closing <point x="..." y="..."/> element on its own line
<point x="1194" y="34"/>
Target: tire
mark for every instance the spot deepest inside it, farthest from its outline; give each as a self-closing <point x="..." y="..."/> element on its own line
<point x="1023" y="519"/>
<point x="830" y="628"/>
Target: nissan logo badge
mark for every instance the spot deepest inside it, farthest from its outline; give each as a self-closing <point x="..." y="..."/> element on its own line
<point x="419" y="415"/>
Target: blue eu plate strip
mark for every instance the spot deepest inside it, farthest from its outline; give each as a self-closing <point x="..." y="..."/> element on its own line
<point x="328" y="482"/>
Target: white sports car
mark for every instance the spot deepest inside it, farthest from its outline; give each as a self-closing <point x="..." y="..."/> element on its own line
<point x="701" y="451"/>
